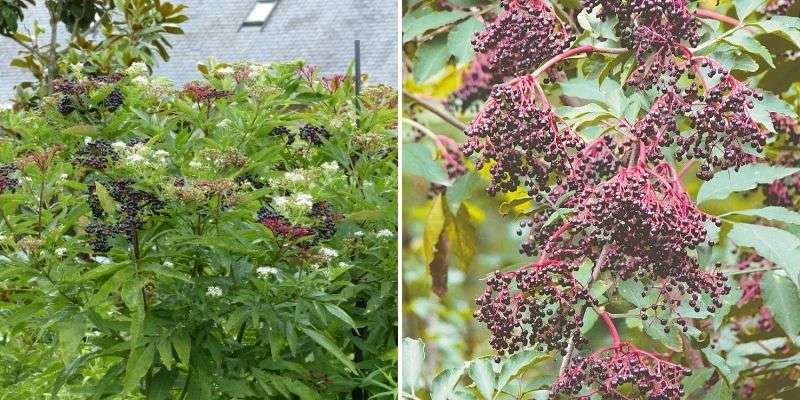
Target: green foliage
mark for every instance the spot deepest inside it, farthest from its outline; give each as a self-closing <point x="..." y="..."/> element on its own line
<point x="200" y="300"/>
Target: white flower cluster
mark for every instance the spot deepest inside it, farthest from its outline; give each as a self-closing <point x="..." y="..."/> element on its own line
<point x="328" y="254"/>
<point x="295" y="207"/>
<point x="265" y="272"/>
<point x="60" y="252"/>
<point x="384" y="233"/>
<point x="141" y="156"/>
<point x="137" y="69"/>
<point x="214" y="291"/>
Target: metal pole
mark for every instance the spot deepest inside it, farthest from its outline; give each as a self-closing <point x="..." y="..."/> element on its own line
<point x="358" y="81"/>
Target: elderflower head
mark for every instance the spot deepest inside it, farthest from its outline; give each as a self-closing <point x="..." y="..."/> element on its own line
<point x="168" y="264"/>
<point x="384" y="233"/>
<point x="293" y="176"/>
<point x="214" y="291"/>
<point x="61" y="252"/>
<point x="330" y="167"/>
<point x="137" y="69"/>
<point x="264" y="272"/>
<point x="304" y="200"/>
<point x="328" y="254"/>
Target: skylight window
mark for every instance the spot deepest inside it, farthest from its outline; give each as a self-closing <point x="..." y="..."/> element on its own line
<point x="260" y="13"/>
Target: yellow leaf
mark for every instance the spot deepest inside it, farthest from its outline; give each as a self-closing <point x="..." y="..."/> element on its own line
<point x="434" y="224"/>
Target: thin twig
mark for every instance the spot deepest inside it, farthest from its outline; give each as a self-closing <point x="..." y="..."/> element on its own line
<point x="444" y="115"/>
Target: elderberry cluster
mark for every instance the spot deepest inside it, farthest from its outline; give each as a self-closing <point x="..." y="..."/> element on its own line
<point x="7" y="181"/>
<point x="282" y="131"/>
<point x="609" y="370"/>
<point x="784" y="192"/>
<point x="114" y="100"/>
<point x="656" y="30"/>
<point x="96" y="154"/>
<point x="538" y="304"/>
<point x="203" y="92"/>
<point x="523" y="36"/>
<point x="323" y="211"/>
<point x="72" y="91"/>
<point x="524" y="140"/>
<point x="279" y="225"/>
<point x="723" y="127"/>
<point x="476" y="83"/>
<point x="133" y="205"/>
<point x="779" y="7"/>
<point x="314" y="134"/>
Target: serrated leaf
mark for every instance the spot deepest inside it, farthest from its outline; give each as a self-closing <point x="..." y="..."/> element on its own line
<point x="747" y="177"/>
<point x="776" y="245"/>
<point x="444" y="383"/>
<point x="785" y="26"/>
<point x="182" y="345"/>
<point x="341" y="314"/>
<point x="720" y="391"/>
<point x="763" y="108"/>
<point x="139" y="362"/>
<point x="430" y="59"/>
<point x="746" y="7"/>
<point x="433" y="20"/>
<point x="696" y="380"/>
<point x="719" y="362"/>
<point x="459" y="40"/>
<point x="782" y="298"/>
<point x="482" y="374"/>
<point x="418" y="160"/>
<point x="328" y="344"/>
<point x="746" y="42"/>
<point x="774" y="213"/>
<point x="106" y="202"/>
<point x="512" y="365"/>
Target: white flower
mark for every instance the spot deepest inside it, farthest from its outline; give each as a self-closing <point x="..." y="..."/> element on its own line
<point x="264" y="272"/>
<point x="137" y="69"/>
<point x="2" y="238"/>
<point x="304" y="200"/>
<point x="161" y="153"/>
<point x="344" y="265"/>
<point x="119" y="145"/>
<point x="225" y="71"/>
<point x="225" y="123"/>
<point x="101" y="260"/>
<point x="330" y="167"/>
<point x="28" y="179"/>
<point x="135" y="158"/>
<point x="328" y="254"/>
<point x="195" y="164"/>
<point x="314" y="266"/>
<point x="292" y="176"/>
<point x="214" y="291"/>
<point x="384" y="233"/>
<point x="64" y="177"/>
<point x="140" y="80"/>
<point x="61" y="252"/>
<point x="168" y="264"/>
<point x="87" y="140"/>
<point x="358" y="233"/>
<point x="280" y="201"/>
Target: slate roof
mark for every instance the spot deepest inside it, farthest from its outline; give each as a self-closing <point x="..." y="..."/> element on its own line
<point x="319" y="31"/>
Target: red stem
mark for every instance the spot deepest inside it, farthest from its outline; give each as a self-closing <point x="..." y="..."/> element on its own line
<point x="611" y="328"/>
<point x="703" y="13"/>
<point x="587" y="48"/>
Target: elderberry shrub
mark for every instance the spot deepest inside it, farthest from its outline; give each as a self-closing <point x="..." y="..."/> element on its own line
<point x="148" y="218"/>
<point x="537" y="305"/>
<point x="523" y="36"/>
<point x="314" y="134"/>
<point x="523" y="139"/>
<point x="608" y="371"/>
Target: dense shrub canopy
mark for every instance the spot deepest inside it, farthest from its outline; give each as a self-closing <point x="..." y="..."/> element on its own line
<point x="231" y="239"/>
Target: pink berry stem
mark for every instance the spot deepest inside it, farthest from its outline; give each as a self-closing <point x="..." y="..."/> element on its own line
<point x="611" y="328"/>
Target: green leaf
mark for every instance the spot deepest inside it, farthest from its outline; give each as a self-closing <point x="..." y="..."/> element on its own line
<point x="732" y="58"/>
<point x="696" y="380"/>
<point x="459" y="40"/>
<point x="720" y="391"/>
<point x="774" y="213"/>
<point x="430" y="59"/>
<point x="327" y="344"/>
<point x="482" y="374"/>
<point x="341" y="314"/>
<point x="769" y="104"/>
<point x="183" y="345"/>
<point x="515" y="363"/>
<point x="139" y="362"/>
<point x="106" y="202"/>
<point x="413" y="358"/>
<point x="165" y="352"/>
<point x="745" y="41"/>
<point x="434" y="225"/>
<point x="433" y="20"/>
<point x="776" y="245"/>
<point x="70" y="336"/>
<point x="719" y="362"/>
<point x="747" y="177"/>
<point x="746" y="7"/>
<point x="444" y="383"/>
<point x="782" y="298"/>
<point x="418" y="160"/>
<point x="781" y="25"/>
